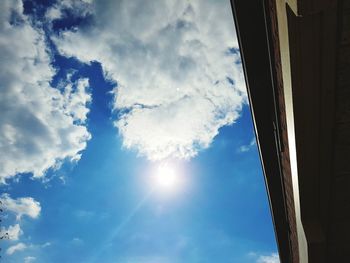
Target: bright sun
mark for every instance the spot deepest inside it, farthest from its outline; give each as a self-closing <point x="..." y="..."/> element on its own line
<point x="166" y="177"/>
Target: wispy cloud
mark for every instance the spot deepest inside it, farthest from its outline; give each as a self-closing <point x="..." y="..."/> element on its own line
<point x="39" y="126"/>
<point x="47" y="244"/>
<point x="15" y="248"/>
<point x="77" y="241"/>
<point x="177" y="67"/>
<point x="76" y="7"/>
<point x="273" y="258"/>
<point x="29" y="259"/>
<point x="247" y="147"/>
<point x="147" y="259"/>
<point x="84" y="214"/>
<point x="33" y="248"/>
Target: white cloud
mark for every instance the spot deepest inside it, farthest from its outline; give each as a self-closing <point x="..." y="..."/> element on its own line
<point x="29" y="259"/>
<point x="177" y="81"/>
<point x="13" y="232"/>
<point x="77" y="7"/>
<point x="248" y="147"/>
<point x="39" y="126"/>
<point x="273" y="258"/>
<point x="53" y="13"/>
<point x="21" y="206"/>
<point x="18" y="247"/>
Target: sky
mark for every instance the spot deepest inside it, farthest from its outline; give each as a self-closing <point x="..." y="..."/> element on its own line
<point x="126" y="135"/>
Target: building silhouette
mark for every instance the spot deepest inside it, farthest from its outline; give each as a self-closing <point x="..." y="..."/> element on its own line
<point x="296" y="58"/>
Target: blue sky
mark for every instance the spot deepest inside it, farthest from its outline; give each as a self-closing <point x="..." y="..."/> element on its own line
<point x="97" y="96"/>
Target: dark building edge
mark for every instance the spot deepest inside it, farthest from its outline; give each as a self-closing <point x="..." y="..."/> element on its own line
<point x="276" y="68"/>
<point x="257" y="32"/>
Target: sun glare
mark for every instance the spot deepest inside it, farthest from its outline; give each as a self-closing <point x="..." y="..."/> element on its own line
<point x="166" y="177"/>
